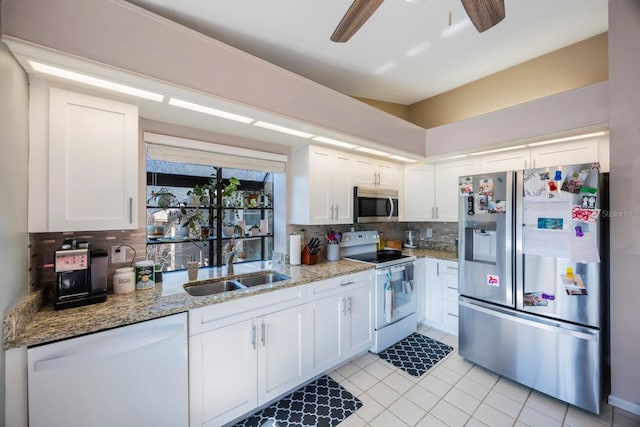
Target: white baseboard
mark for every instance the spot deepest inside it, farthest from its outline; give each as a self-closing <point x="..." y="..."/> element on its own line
<point x="631" y="407"/>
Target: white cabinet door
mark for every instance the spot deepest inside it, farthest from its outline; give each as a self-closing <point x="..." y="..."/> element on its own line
<point x="223" y="373"/>
<point x="565" y="154"/>
<point x="93" y="163"/>
<point x="446" y="187"/>
<point x="366" y="173"/>
<point x="389" y="175"/>
<point x="448" y="271"/>
<point x="375" y="173"/>
<point x="433" y="296"/>
<point x="359" y="308"/>
<point x="320" y="194"/>
<point x="326" y="323"/>
<point x="420" y="278"/>
<point x="505" y="161"/>
<point x="321" y="186"/>
<point x="419" y="193"/>
<point x="281" y="355"/>
<point x="341" y="189"/>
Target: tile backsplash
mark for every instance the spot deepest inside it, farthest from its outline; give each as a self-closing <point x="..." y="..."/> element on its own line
<point x="43" y="245"/>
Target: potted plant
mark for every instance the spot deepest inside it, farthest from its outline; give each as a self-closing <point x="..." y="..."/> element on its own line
<point x="255" y="230"/>
<point x="195" y="220"/>
<point x="198" y="195"/>
<point x="163" y="198"/>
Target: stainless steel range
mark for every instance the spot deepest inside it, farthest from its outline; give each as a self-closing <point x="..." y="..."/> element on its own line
<point x="394" y="296"/>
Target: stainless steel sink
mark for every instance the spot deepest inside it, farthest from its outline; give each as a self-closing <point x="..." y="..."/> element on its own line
<point x="210" y="288"/>
<point x="262" y="279"/>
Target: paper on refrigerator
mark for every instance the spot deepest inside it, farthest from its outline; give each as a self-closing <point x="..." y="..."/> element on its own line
<point x="546" y="223"/>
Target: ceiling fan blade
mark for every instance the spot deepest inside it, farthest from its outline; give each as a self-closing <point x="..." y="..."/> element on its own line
<point x="358" y="13"/>
<point x="484" y="13"/>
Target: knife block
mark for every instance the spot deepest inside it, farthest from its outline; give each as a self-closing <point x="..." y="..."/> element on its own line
<point x="308" y="258"/>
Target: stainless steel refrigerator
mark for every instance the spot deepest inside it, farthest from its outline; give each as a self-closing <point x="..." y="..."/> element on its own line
<point x="533" y="275"/>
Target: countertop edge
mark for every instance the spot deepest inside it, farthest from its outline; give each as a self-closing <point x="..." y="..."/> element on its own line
<point x="30" y="324"/>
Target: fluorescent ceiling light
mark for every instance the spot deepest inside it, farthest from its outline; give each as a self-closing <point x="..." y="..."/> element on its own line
<point x="418" y="49"/>
<point x="456" y="28"/>
<point x="334" y="142"/>
<point x="283" y="129"/>
<point x="372" y="151"/>
<point x="93" y="81"/>
<point x="567" y="138"/>
<point x="208" y="110"/>
<point x="497" y="150"/>
<point x="402" y="159"/>
<point x="384" y="67"/>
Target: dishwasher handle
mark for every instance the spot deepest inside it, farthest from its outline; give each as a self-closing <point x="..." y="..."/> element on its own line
<point x="110" y="347"/>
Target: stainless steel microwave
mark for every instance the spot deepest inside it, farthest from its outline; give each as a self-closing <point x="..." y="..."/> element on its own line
<point x="374" y="205"/>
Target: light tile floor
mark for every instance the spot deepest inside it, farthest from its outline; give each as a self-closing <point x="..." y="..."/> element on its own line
<point x="456" y="393"/>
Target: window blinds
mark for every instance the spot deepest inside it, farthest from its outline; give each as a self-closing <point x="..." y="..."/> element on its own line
<point x="182" y="150"/>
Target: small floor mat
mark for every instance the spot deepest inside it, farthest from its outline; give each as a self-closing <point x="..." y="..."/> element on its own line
<point x="322" y="403"/>
<point x="415" y="354"/>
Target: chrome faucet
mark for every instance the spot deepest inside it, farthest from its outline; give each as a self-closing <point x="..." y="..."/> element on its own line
<point x="232" y="252"/>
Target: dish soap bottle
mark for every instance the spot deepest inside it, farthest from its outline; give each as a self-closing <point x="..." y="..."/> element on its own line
<point x="381" y="242"/>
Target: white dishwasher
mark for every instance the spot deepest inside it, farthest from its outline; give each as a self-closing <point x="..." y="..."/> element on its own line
<point x="134" y="375"/>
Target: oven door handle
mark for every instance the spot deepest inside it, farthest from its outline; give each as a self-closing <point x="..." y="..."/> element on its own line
<point x="394" y="269"/>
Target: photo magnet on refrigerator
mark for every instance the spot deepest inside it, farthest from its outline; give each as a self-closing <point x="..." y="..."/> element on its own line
<point x="493" y="280"/>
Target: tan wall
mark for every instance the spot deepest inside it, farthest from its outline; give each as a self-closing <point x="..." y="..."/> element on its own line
<point x="578" y="65"/>
<point x="398" y="110"/>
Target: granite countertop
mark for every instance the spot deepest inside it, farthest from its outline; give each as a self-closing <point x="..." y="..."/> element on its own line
<point x="30" y="323"/>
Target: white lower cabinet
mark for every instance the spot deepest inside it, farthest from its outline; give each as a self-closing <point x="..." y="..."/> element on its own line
<point x="441" y="295"/>
<point x="244" y="353"/>
<point x="340" y="320"/>
<point x="247" y="352"/>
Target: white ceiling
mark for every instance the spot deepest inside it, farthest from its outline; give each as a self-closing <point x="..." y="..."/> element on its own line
<point x="404" y="53"/>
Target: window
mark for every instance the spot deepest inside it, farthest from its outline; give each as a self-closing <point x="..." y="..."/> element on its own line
<point x="196" y="208"/>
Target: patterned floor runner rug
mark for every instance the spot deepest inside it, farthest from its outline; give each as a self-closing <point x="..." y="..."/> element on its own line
<point x="415" y="354"/>
<point x="322" y="403"/>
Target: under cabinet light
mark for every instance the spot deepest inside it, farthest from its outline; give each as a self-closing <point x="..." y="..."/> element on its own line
<point x="208" y="110"/>
<point x="402" y="159"/>
<point x="334" y="142"/>
<point x="372" y="151"/>
<point x="459" y="156"/>
<point x="497" y="150"/>
<point x="283" y="129"/>
<point x="94" y="81"/>
<point x="567" y="138"/>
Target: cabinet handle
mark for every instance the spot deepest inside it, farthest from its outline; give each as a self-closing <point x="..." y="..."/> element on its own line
<point x="452" y="268"/>
<point x="263" y="333"/>
<point x="379" y="179"/>
<point x="436" y="212"/>
<point x="349" y="308"/>
<point x="533" y="163"/>
<point x="253" y="336"/>
<point x="350" y="282"/>
<point x="437" y="269"/>
<point x="344" y="306"/>
<point x="331" y="212"/>
<point x="433" y="212"/>
<point x="337" y="215"/>
<point x="130" y="210"/>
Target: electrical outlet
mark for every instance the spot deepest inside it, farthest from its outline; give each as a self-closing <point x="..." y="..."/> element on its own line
<point x="119" y="257"/>
<point x="429" y="233"/>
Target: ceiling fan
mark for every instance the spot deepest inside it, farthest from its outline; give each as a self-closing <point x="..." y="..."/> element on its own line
<point x="483" y="13"/>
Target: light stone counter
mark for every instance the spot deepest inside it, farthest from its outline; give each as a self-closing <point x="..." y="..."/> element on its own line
<point x="29" y="324"/>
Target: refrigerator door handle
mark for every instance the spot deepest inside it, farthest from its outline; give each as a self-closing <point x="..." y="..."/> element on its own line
<point x="539" y="323"/>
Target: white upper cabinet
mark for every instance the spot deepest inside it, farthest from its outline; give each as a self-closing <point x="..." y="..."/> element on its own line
<point x="508" y="160"/>
<point x="322" y="192"/>
<point x="446" y="187"/>
<point x="90" y="178"/>
<point x="375" y="173"/>
<point x="419" y="193"/>
<point x="565" y="154"/>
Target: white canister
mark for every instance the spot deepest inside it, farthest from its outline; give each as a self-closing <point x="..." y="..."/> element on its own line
<point x="145" y="274"/>
<point x="124" y="280"/>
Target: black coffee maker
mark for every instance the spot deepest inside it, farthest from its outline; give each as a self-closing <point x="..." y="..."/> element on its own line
<point x="81" y="275"/>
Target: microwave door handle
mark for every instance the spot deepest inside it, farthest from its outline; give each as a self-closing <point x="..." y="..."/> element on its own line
<point x="390" y="210"/>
